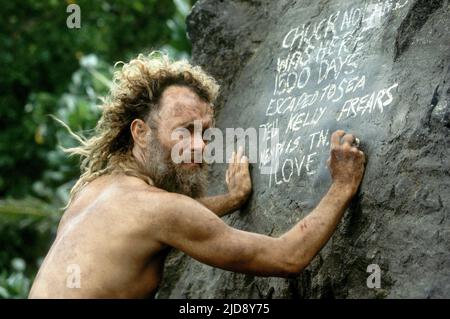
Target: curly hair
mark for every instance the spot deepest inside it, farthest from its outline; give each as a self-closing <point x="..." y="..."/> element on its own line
<point x="135" y="94"/>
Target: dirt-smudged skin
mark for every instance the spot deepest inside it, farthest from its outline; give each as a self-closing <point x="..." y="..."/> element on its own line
<point x="99" y="239"/>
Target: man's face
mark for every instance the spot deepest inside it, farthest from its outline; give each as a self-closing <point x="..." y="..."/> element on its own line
<point x="181" y="108"/>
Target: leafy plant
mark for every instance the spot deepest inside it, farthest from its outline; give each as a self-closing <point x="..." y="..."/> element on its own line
<point x="48" y="69"/>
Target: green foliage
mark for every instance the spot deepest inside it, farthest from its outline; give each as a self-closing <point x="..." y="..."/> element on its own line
<point x="39" y="53"/>
<point x="27" y="227"/>
<point x="15" y="284"/>
<point x="49" y="69"/>
<point x="78" y="108"/>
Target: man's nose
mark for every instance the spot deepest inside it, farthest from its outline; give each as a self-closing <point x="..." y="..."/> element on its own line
<point x="198" y="144"/>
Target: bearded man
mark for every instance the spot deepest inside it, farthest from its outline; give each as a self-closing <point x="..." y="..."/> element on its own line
<point x="133" y="203"/>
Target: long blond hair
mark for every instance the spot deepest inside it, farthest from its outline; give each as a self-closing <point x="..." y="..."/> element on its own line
<point x="135" y="93"/>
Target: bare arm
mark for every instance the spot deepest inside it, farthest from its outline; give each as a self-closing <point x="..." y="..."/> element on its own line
<point x="308" y="237"/>
<point x="239" y="186"/>
<point x="346" y="165"/>
<point x="194" y="229"/>
<point x="221" y="205"/>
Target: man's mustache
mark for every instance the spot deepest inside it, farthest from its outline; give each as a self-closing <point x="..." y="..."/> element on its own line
<point x="193" y="156"/>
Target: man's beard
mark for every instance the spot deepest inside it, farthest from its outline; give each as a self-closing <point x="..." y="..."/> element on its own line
<point x="177" y="178"/>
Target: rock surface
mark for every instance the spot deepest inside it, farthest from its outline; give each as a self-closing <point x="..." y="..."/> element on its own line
<point x="378" y="69"/>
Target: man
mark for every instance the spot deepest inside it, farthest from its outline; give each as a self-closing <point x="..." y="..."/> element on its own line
<point x="133" y="203"/>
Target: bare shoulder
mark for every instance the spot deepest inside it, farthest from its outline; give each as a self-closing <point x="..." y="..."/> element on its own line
<point x="172" y="210"/>
<point x="121" y="193"/>
<point x="162" y="214"/>
<point x="166" y="204"/>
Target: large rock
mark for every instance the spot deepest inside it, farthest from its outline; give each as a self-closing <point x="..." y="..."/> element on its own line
<point x="379" y="69"/>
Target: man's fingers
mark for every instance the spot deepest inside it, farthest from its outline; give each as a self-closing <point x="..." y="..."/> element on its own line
<point x="244" y="162"/>
<point x="232" y="159"/>
<point x="237" y="159"/>
<point x="363" y="156"/>
<point x="349" y="138"/>
<point x="231" y="165"/>
<point x="239" y="154"/>
<point x="336" y="138"/>
<point x="236" y="169"/>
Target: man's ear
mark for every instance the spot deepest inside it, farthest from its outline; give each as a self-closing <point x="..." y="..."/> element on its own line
<point x="140" y="132"/>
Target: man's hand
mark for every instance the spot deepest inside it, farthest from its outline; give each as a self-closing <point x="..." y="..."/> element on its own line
<point x="239" y="186"/>
<point x="238" y="178"/>
<point x="346" y="161"/>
